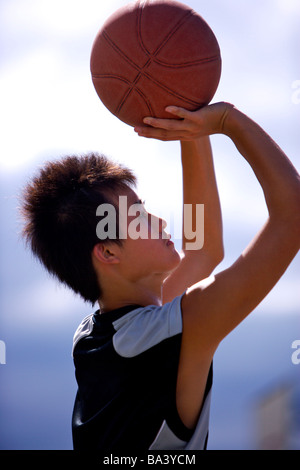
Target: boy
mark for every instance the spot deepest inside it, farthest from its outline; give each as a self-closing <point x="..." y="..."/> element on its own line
<point x="144" y="360"/>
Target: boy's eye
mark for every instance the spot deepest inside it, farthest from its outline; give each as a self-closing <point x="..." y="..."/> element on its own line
<point x="138" y="208"/>
<point x="143" y="211"/>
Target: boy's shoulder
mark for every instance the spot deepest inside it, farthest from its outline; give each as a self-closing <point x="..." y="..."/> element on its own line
<point x="133" y="329"/>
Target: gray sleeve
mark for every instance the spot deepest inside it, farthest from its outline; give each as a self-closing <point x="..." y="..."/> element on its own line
<point x="145" y="327"/>
<point x="167" y="440"/>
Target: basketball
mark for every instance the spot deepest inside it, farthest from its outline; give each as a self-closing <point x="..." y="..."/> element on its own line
<point x="152" y="54"/>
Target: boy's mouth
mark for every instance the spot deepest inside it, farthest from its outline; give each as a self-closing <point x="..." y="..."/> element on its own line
<point x="166" y="236"/>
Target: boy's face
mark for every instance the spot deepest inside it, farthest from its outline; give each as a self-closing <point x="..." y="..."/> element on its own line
<point x="147" y="249"/>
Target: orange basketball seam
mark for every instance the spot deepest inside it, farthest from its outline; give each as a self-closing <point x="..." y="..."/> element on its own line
<point x="186" y="64"/>
<point x="141" y="73"/>
<point x="117" y="49"/>
<point x="150" y="78"/>
<point x="169" y="35"/>
<point x="138" y="90"/>
<point x="153" y="55"/>
<point x="130" y="62"/>
<point x="122" y="79"/>
<point x="172" y="92"/>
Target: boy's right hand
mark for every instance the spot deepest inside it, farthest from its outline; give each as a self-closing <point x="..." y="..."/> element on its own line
<point x="190" y="125"/>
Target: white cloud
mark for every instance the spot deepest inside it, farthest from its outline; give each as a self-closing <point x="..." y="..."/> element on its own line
<point x="289" y="6"/>
<point x="66" y="17"/>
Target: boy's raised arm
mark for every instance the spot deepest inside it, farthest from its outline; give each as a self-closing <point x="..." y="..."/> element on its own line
<point x="200" y="254"/>
<point x="235" y="292"/>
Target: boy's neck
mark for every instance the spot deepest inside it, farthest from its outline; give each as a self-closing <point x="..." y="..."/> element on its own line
<point x="137" y="294"/>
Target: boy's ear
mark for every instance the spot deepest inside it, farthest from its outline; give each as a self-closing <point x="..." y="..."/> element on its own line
<point x="106" y="253"/>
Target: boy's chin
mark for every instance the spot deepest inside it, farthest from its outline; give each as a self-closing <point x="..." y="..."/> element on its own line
<point x="174" y="263"/>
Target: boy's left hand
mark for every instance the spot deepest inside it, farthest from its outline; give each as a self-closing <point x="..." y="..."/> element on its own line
<point x="190" y="125"/>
